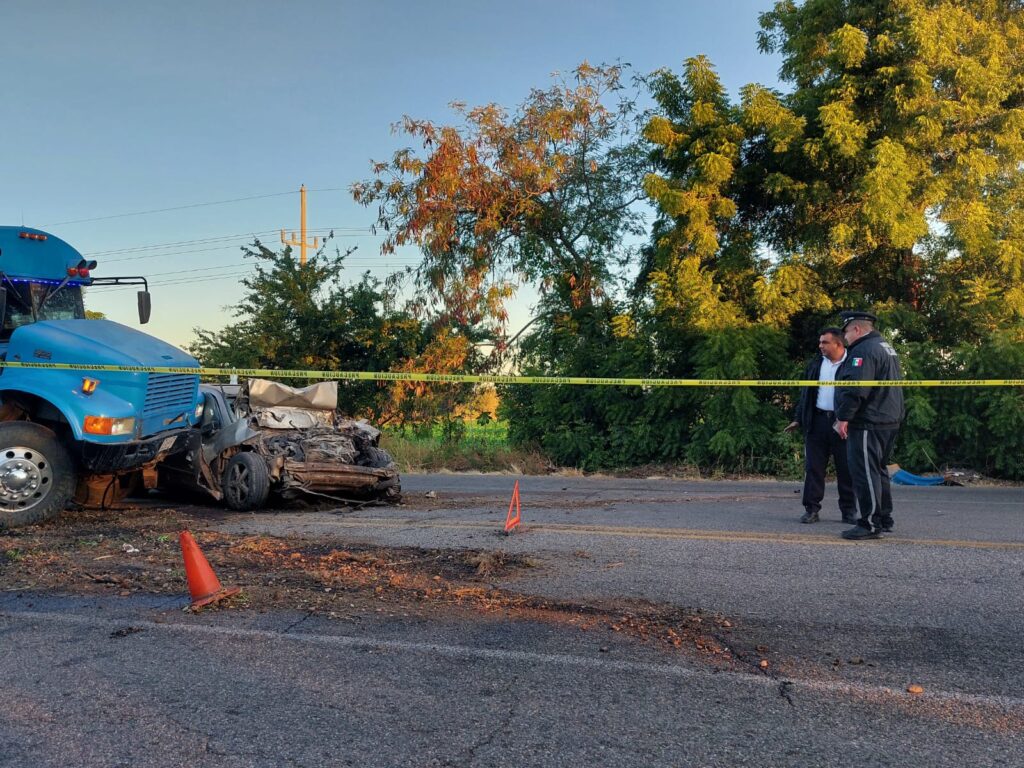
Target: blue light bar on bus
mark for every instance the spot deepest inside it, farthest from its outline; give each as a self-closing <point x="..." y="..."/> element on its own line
<point x="44" y="282"/>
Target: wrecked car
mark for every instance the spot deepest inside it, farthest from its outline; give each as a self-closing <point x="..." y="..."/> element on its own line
<point x="262" y="438"/>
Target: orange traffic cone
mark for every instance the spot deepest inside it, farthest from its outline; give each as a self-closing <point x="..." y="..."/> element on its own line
<point x="202" y="582"/>
<point x="512" y="522"/>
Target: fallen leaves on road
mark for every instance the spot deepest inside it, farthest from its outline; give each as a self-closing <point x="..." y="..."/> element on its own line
<point x="135" y="550"/>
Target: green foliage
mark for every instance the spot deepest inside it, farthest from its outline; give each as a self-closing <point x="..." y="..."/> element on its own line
<point x="594" y="427"/>
<point x="913" y="114"/>
<point x="887" y="177"/>
<point x="480" y="448"/>
<point x="601" y="427"/>
<point x="303" y="317"/>
<point x="740" y="428"/>
<point x="977" y="427"/>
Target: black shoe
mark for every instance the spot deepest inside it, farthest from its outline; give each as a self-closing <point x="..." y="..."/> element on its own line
<point x="887" y="526"/>
<point x="809" y="517"/>
<point x="859" y="532"/>
<point x="851" y="519"/>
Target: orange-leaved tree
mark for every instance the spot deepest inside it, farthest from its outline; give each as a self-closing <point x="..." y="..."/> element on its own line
<point x="544" y="193"/>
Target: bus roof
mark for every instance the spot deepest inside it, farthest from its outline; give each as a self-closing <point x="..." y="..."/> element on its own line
<point x="31" y="254"/>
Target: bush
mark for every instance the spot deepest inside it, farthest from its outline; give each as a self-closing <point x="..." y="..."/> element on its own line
<point x="718" y="429"/>
<point x="973" y="426"/>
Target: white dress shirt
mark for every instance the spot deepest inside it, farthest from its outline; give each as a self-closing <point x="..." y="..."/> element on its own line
<point x="827" y="395"/>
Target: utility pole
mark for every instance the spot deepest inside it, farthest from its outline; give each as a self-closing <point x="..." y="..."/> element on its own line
<point x="303" y="243"/>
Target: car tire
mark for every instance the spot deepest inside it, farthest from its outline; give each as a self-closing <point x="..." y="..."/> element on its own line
<point x="390" y="490"/>
<point x="245" y="482"/>
<point x="378" y="458"/>
<point x="37" y="475"/>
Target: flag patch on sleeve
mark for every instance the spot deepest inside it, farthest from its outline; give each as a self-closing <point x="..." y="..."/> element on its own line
<point x="858" y="362"/>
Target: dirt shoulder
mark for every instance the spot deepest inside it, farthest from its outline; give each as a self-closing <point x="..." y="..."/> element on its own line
<point x="135" y="549"/>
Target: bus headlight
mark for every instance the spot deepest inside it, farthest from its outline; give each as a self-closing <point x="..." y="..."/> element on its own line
<point x="105" y="425"/>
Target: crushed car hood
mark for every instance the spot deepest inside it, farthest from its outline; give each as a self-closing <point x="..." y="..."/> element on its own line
<point x="277" y="406"/>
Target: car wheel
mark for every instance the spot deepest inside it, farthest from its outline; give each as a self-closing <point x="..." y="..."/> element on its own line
<point x="37" y="476"/>
<point x="393" y="493"/>
<point x="245" y="482"/>
<point x="378" y="458"/>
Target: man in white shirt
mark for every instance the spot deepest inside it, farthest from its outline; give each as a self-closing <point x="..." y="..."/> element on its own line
<point x="815" y="415"/>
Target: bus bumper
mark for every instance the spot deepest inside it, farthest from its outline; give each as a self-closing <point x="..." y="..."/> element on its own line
<point x="108" y="458"/>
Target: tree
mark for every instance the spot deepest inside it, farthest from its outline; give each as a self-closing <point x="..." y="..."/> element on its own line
<point x="716" y="304"/>
<point x="906" y="175"/>
<point x="549" y="194"/>
<point x="889" y="177"/>
<point x="304" y="317"/>
<point x="545" y="193"/>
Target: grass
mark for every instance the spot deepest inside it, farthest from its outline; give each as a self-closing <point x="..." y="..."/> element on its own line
<point x="476" y="447"/>
<point x="485" y="448"/>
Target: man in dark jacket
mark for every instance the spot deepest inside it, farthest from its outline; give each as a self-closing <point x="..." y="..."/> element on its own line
<point x="869" y="418"/>
<point x="815" y="415"/>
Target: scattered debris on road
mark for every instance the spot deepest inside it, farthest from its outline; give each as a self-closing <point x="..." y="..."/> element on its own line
<point x="326" y="576"/>
<point x="125" y="632"/>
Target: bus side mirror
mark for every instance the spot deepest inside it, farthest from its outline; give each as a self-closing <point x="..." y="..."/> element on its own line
<point x="3" y="304"/>
<point x="145" y="307"/>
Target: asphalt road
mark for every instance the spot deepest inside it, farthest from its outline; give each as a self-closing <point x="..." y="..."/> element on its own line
<point x="845" y="628"/>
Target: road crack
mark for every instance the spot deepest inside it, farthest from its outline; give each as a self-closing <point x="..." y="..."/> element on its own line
<point x="784" y="688"/>
<point x="502" y="727"/>
<point x="296" y="623"/>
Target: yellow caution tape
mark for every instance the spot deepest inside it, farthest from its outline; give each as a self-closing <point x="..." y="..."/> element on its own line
<point x="484" y="378"/>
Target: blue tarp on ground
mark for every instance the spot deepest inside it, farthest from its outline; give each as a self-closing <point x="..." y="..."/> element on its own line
<point x="902" y="477"/>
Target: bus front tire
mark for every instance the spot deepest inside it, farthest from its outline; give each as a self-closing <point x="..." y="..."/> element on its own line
<point x="37" y="475"/>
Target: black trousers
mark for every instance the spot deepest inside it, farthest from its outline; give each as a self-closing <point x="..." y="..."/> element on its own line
<point x="869" y="451"/>
<point x="821" y="442"/>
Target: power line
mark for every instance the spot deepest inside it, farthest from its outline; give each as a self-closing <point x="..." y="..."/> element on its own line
<point x="240" y="264"/>
<point x="350" y="262"/>
<point x="182" y="208"/>
<point x="357" y="263"/>
<point x="216" y="238"/>
<point x="163" y="254"/>
<point x="229" y="270"/>
<point x="232" y="272"/>
<point x="197" y="269"/>
<point x="207" y="279"/>
<point x="211" y="239"/>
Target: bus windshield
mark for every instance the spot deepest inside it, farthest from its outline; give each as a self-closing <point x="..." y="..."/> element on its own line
<point x="25" y="304"/>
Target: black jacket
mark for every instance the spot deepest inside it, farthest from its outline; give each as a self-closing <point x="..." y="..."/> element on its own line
<point x="808" y="395"/>
<point x="870" y="358"/>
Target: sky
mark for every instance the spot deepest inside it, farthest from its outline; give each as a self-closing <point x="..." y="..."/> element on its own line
<point x="126" y="126"/>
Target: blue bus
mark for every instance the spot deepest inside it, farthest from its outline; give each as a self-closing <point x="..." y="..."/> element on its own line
<point x="60" y="424"/>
